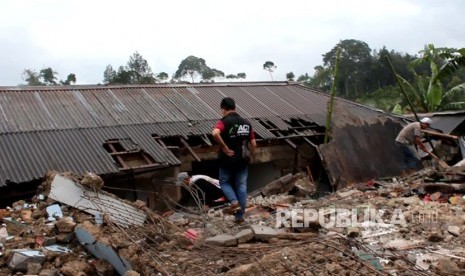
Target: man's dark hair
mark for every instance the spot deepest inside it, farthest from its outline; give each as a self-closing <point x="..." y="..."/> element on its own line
<point x="228" y="104"/>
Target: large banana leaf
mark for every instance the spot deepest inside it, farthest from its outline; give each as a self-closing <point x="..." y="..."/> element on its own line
<point x="434" y="95"/>
<point x="455" y="60"/>
<point x="434" y="92"/>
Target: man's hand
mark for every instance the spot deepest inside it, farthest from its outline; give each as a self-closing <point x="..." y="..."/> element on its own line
<point x="227" y="150"/>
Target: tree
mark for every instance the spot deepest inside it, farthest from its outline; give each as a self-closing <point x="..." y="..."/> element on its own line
<point x="209" y="74"/>
<point x="270" y="67"/>
<point x="193" y="66"/>
<point x="71" y="79"/>
<point x="46" y="76"/>
<point x="429" y="93"/>
<point x="242" y="76"/>
<point x="109" y="75"/>
<point x="139" y="70"/>
<point x="136" y="71"/>
<point x="31" y="77"/>
<point x="354" y="66"/>
<point x="162" y="76"/>
<point x="322" y="78"/>
<point x="231" y="76"/>
<point x="290" y="76"/>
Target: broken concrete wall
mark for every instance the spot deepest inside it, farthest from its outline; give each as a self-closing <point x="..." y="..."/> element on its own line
<point x="361" y="149"/>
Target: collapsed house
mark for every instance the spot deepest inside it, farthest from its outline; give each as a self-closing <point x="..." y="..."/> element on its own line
<point x="73" y="227"/>
<point x="134" y="137"/>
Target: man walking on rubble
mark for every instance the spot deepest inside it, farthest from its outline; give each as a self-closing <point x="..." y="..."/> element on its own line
<point x="206" y="188"/>
<point x="237" y="143"/>
<point x="408" y="139"/>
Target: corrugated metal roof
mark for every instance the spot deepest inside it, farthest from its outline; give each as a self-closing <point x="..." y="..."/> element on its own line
<point x="449" y="123"/>
<point x="64" y="128"/>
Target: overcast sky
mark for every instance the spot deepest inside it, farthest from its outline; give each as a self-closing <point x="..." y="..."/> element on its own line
<point x="84" y="36"/>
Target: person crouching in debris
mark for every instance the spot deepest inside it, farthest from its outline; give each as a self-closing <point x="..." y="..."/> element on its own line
<point x="200" y="187"/>
<point x="237" y="143"/>
<point x="408" y="139"/>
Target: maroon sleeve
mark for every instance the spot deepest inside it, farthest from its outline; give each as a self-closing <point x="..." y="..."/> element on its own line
<point x="220" y="126"/>
<point x="252" y="135"/>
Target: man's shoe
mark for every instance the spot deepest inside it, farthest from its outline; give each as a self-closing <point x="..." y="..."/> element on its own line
<point x="232" y="209"/>
<point x="239" y="221"/>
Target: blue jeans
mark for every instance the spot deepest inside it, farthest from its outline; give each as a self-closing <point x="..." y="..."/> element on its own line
<point x="233" y="183"/>
<point x="410" y="159"/>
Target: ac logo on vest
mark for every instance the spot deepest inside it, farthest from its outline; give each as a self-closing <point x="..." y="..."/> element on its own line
<point x="243" y="129"/>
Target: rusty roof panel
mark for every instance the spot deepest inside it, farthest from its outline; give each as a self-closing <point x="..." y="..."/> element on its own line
<point x="64" y="128"/>
<point x="29" y="155"/>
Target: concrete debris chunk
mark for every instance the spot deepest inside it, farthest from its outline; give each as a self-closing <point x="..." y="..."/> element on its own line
<point x="3" y="234"/>
<point x="75" y="267"/>
<point x="33" y="268"/>
<point x="353" y="232"/>
<point x="348" y="193"/>
<point x="21" y="258"/>
<point x="54" y="212"/>
<point x="92" y="181"/>
<point x="65" y="225"/>
<point x="280" y="185"/>
<point x="245" y="235"/>
<point x="14" y="227"/>
<point x="448" y="267"/>
<point x="402" y="244"/>
<point x="222" y="240"/>
<point x="263" y="233"/>
<point x="454" y="230"/>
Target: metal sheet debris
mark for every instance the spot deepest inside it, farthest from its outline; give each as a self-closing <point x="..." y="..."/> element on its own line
<point x="116" y="210"/>
<point x="102" y="251"/>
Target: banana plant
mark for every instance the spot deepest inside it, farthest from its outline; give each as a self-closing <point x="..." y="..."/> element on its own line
<point x="428" y="92"/>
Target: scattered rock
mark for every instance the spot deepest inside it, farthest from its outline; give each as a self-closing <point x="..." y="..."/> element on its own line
<point x="245" y="235"/>
<point x="454" y="230"/>
<point x="263" y="233"/>
<point x="448" y="267"/>
<point x="222" y="240"/>
<point x="353" y="232"/>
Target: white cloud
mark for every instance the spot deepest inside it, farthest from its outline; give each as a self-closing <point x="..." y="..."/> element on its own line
<point x="84" y="36"/>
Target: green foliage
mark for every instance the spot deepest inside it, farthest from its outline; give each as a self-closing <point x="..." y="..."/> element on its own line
<point x="193" y="66"/>
<point x="305" y="80"/>
<point x="242" y="76"/>
<point x="354" y="66"/>
<point x="387" y="99"/>
<point x="46" y="76"/>
<point x="31" y="77"/>
<point x="322" y="79"/>
<point x="430" y="93"/>
<point x="270" y="67"/>
<point x="137" y="71"/>
<point x="290" y="76"/>
<point x="71" y="79"/>
<point x="208" y="75"/>
<point x="162" y="76"/>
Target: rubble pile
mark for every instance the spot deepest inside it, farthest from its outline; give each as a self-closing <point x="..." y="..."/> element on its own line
<point x="407" y="226"/>
<point x="47" y="237"/>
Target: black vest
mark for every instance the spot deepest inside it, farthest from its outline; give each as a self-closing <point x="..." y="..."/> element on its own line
<point x="236" y="136"/>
